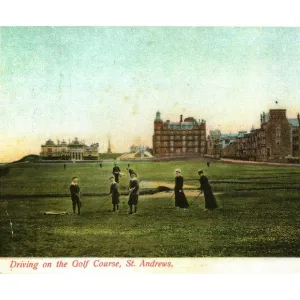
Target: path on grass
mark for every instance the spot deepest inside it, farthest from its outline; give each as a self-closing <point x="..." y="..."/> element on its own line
<point x="249" y="162"/>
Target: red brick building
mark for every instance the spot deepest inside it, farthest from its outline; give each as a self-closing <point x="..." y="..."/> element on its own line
<point x="296" y="136"/>
<point x="186" y="137"/>
<point x="275" y="139"/>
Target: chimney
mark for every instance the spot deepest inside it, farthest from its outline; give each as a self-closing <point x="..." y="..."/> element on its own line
<point x="181" y="116"/>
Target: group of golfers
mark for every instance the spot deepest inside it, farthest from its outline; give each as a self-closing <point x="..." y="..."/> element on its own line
<point x="134" y="188"/>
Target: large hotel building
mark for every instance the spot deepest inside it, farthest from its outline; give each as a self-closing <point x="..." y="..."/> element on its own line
<point x="182" y="138"/>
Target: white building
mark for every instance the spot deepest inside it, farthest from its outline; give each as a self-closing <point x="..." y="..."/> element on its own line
<point x="75" y="150"/>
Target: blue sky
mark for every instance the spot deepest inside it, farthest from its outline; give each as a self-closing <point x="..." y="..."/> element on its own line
<point x="91" y="82"/>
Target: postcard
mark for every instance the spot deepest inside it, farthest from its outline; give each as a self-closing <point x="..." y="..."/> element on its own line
<point x="155" y="150"/>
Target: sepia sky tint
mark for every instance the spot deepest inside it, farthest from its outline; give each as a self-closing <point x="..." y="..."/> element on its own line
<point x="92" y="82"/>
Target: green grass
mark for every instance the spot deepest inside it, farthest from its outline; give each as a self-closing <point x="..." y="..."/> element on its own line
<point x="253" y="222"/>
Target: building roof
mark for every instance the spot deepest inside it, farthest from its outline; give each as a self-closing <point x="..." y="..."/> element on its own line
<point x="229" y="135"/>
<point x="241" y="135"/>
<point x="182" y="125"/>
<point x="190" y="119"/>
<point x="267" y="117"/>
<point x="294" y="122"/>
<point x="76" y="142"/>
<point x="50" y="143"/>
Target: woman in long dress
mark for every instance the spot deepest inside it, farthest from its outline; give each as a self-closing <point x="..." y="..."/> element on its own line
<point x="180" y="199"/>
<point x="210" y="200"/>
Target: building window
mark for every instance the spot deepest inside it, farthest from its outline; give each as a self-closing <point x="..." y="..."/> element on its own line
<point x="268" y="152"/>
<point x="295" y="147"/>
<point x="295" y="138"/>
<point x="278" y="133"/>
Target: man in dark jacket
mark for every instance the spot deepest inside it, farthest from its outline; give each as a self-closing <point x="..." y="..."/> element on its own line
<point x="75" y="195"/>
<point x="130" y="171"/>
<point x="114" y="192"/>
<point x="116" y="172"/>
<point x="134" y="189"/>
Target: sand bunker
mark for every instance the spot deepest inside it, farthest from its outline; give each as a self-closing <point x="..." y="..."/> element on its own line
<point x="56" y="213"/>
<point x="189" y="194"/>
<point x="156" y="184"/>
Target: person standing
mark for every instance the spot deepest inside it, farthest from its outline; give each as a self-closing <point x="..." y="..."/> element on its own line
<point x="75" y="195"/>
<point x="116" y="172"/>
<point x="180" y="199"/>
<point x="65" y="166"/>
<point x="134" y="189"/>
<point x="114" y="192"/>
<point x="209" y="198"/>
<point x="130" y="171"/>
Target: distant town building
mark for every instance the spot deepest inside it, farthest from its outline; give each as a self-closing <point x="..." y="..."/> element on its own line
<point x="75" y="150"/>
<point x="186" y="137"/>
<point x="217" y="141"/>
<point x="277" y="139"/>
<point x="272" y="141"/>
<point x="109" y="147"/>
<point x="295" y="136"/>
<point x="141" y="148"/>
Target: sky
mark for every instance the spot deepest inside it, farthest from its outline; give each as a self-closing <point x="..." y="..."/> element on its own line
<point x="95" y="82"/>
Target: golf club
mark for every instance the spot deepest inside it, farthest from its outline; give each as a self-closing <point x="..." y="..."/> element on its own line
<point x="103" y="203"/>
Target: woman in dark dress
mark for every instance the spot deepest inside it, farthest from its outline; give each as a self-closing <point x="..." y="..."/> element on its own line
<point x="134" y="189"/>
<point x="180" y="199"/>
<point x="210" y="200"/>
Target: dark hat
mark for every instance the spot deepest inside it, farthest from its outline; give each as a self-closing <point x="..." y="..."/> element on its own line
<point x="200" y="172"/>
